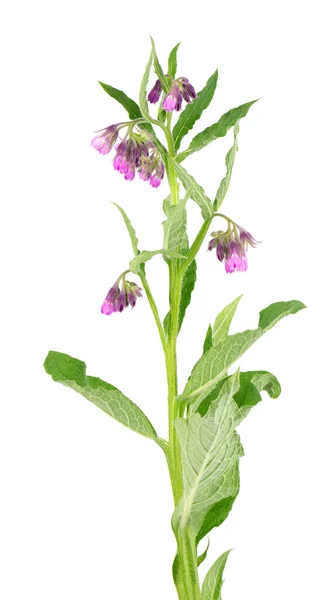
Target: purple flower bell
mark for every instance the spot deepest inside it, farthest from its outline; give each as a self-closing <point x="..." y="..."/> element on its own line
<point x="231" y="246"/>
<point x="117" y="299"/>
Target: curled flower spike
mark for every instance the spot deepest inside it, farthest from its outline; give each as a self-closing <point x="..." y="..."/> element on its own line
<point x="135" y="153"/>
<point x="105" y="141"/>
<point x="155" y="93"/>
<point x="117" y="299"/>
<point x="231" y="246"/>
<point x="181" y="89"/>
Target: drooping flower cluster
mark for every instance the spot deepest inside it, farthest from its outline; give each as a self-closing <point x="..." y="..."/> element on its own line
<point x="180" y="89"/>
<point x="231" y="247"/>
<point x="118" y="298"/>
<point x="136" y="152"/>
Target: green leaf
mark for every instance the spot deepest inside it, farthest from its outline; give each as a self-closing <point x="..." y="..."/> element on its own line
<point x="145" y="255"/>
<point x="130" y="105"/>
<point x="72" y="372"/>
<point x="203" y="556"/>
<point x="194" y="111"/>
<point x="165" y="83"/>
<point x="197" y="192"/>
<point x="130" y="229"/>
<point x="175" y="228"/>
<point x="210" y="447"/>
<point x="219" y="512"/>
<point x="143" y="88"/>
<point x="208" y="342"/>
<point x="223" y="321"/>
<point x="213" y="365"/>
<point x="188" y="284"/>
<point x="211" y="588"/>
<point x="172" y="61"/>
<point x="230" y="159"/>
<point x="217" y="130"/>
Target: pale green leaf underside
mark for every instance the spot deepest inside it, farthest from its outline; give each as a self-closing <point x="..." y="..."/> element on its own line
<point x="217" y="130"/>
<point x="130" y="229"/>
<point x="230" y="159"/>
<point x="211" y="588"/>
<point x="213" y="365"/>
<point x="210" y="447"/>
<point x="197" y="192"/>
<point x="71" y="372"/>
<point x="175" y="228"/>
<point x="223" y="321"/>
<point x="194" y="111"/>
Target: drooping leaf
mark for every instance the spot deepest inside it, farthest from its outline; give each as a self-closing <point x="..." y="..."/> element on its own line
<point x="165" y="83"/>
<point x="130" y="229"/>
<point x="197" y="192"/>
<point x="211" y="588"/>
<point x="217" y="130"/>
<point x="194" y="111"/>
<point x="208" y="342"/>
<point x="175" y="228"/>
<point x="210" y="447"/>
<point x="213" y="365"/>
<point x="188" y="284"/>
<point x="71" y="372"/>
<point x="172" y="61"/>
<point x="145" y="255"/>
<point x="230" y="159"/>
<point x="223" y="321"/>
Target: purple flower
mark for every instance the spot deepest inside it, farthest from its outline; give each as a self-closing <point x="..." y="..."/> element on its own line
<point x="172" y="99"/>
<point x="231" y="246"/>
<point x="105" y="141"/>
<point x="117" y="299"/>
<point x="155" y="93"/>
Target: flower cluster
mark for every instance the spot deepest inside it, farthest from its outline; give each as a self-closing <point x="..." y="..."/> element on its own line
<point x="117" y="299"/>
<point x="135" y="153"/>
<point x="180" y="89"/>
<point x="231" y="247"/>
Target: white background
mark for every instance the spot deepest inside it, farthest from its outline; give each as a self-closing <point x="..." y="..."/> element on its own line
<point x="85" y="503"/>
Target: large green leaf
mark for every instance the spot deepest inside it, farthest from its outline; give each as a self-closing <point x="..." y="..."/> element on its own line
<point x="211" y="588"/>
<point x="130" y="229"/>
<point x="217" y="130"/>
<point x="230" y="159"/>
<point x="172" y="61"/>
<point x="213" y="365"/>
<point x="72" y="372"/>
<point x="210" y="447"/>
<point x="194" y="111"/>
<point x="223" y="321"/>
<point x="197" y="192"/>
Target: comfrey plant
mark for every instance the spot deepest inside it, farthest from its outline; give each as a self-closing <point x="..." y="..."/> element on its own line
<point x="203" y="447"/>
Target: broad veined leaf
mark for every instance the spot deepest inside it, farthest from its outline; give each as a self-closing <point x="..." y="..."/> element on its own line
<point x="211" y="588"/>
<point x="130" y="229"/>
<point x="197" y="192"/>
<point x="210" y="447"/>
<point x="194" y="111"/>
<point x="217" y="130"/>
<point x="145" y="255"/>
<point x="188" y="284"/>
<point x="213" y="365"/>
<point x="208" y="342"/>
<point x="248" y="395"/>
<point x="172" y="61"/>
<point x="230" y="159"/>
<point x="71" y="372"/>
<point x="165" y="82"/>
<point x="223" y="321"/>
<point x="175" y="228"/>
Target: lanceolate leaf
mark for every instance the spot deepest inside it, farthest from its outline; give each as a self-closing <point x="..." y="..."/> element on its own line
<point x="208" y="342"/>
<point x="172" y="61"/>
<point x="165" y="83"/>
<point x="175" y="228"/>
<point x="188" y="284"/>
<point x="203" y="556"/>
<point x="197" y="192"/>
<point x="213" y="365"/>
<point x="194" y="111"/>
<point x="130" y="229"/>
<point x="143" y="88"/>
<point x="72" y="372"/>
<point x="210" y="448"/>
<point x="230" y="159"/>
<point x="216" y="130"/>
<point x="223" y="321"/>
<point x="211" y="589"/>
<point x="130" y="105"/>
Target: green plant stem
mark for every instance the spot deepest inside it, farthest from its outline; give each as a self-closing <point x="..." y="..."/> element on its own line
<point x="188" y="565"/>
<point x="155" y="312"/>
